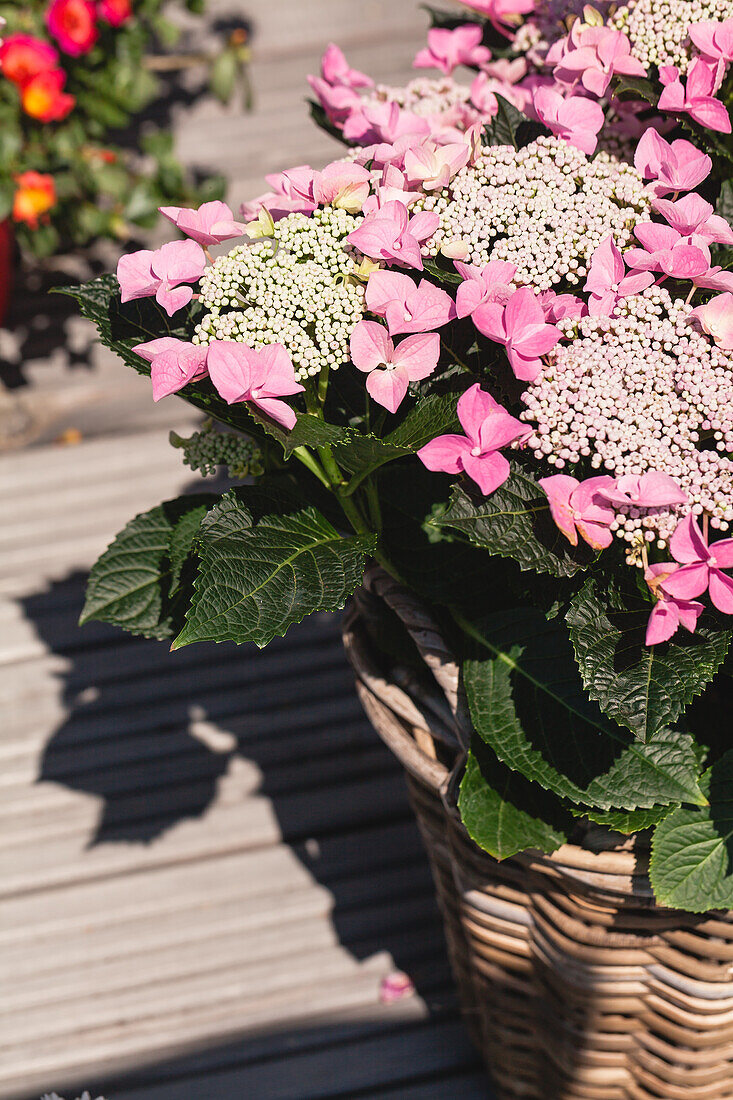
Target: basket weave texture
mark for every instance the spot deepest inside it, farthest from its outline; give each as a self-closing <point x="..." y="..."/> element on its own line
<point x="574" y="983"/>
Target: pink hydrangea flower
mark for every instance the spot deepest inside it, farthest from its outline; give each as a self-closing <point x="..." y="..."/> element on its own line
<point x="691" y="216"/>
<point x="501" y="13"/>
<point x="373" y="123"/>
<point x="391" y="368"/>
<point x="485" y="88"/>
<point x="697" y="99"/>
<point x="592" y="55"/>
<point x="338" y="101"/>
<point x="160" y="273"/>
<point x="446" y="49"/>
<point x="173" y="363"/>
<point x="651" y="490"/>
<point x="607" y="280"/>
<point x="521" y="327"/>
<point x="405" y="306"/>
<point x="239" y="373"/>
<point x="714" y="39"/>
<point x="578" y="508"/>
<point x="667" y="251"/>
<point x="342" y="184"/>
<point x="488" y="427"/>
<point x="556" y="307"/>
<point x="715" y="278"/>
<point x="392" y="235"/>
<point x="716" y="319"/>
<point x="391" y="187"/>
<point x="432" y="166"/>
<point x="701" y="566"/>
<point x="576" y="120"/>
<point x="668" y="614"/>
<point x="490" y="283"/>
<point x="336" y="71"/>
<point x="210" y="224"/>
<point x="675" y="166"/>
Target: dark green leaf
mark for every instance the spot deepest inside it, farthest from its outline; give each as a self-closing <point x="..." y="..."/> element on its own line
<point x="628" y="821"/>
<point x="515" y="522"/>
<point x="503" y="813"/>
<point x="141" y="583"/>
<point x="635" y="87"/>
<point x="642" y="687"/>
<point x="258" y="576"/>
<point x="692" y="850"/>
<point x="527" y="702"/>
<point x="441" y="273"/>
<point x="502" y="130"/>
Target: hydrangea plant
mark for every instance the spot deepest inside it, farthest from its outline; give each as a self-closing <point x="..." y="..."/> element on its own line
<point x="500" y="364"/>
<point x="74" y="74"/>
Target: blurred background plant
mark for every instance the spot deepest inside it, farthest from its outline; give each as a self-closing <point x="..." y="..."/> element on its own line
<point x="77" y="75"/>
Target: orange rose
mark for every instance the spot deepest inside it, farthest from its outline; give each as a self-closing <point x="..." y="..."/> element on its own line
<point x="34" y="197"/>
<point x="43" y="97"/>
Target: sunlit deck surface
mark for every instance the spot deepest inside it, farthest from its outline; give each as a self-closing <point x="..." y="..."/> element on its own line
<point x="207" y="860"/>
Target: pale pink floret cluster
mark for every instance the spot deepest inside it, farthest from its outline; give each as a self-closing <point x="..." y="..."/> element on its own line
<point x="545" y="209"/>
<point x="642" y="391"/>
<point x="659" y="30"/>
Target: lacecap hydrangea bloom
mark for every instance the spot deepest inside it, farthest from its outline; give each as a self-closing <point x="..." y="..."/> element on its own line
<point x="545" y="209"/>
<point x="298" y="287"/>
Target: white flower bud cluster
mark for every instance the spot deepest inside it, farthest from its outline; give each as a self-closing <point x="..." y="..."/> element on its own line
<point x="210" y="448"/>
<point x="545" y="208"/>
<point x="643" y="391"/>
<point x="425" y="96"/>
<point x="296" y="288"/>
<point x="658" y="29"/>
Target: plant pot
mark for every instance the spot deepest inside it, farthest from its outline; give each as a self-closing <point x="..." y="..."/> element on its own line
<point x="574" y="983"/>
<point x="7" y="266"/>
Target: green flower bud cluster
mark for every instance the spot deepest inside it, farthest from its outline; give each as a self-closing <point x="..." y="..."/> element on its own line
<point x="210" y="448"/>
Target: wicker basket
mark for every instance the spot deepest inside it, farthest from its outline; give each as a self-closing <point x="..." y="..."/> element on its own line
<point x="574" y="984"/>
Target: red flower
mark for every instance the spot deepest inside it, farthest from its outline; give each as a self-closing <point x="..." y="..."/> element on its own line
<point x="115" y="12"/>
<point x="22" y="57"/>
<point x="34" y="197"/>
<point x="73" y="23"/>
<point x="43" y="97"/>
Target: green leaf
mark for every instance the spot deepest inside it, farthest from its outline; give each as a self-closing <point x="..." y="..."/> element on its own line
<point x="359" y="455"/>
<point x="628" y="821"/>
<point x="643" y="687"/>
<point x="692" y="850"/>
<point x="502" y="130"/>
<point x="635" y="87"/>
<point x="503" y="813"/>
<point x="442" y="274"/>
<point x="258" y="576"/>
<point x="143" y="580"/>
<point x="515" y="522"/>
<point x="527" y="702"/>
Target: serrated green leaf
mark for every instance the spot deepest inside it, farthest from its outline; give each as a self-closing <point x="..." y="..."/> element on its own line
<point x="503" y="813"/>
<point x="258" y="577"/>
<point x="635" y="87"/>
<point x="528" y="703"/>
<point x="643" y="687"/>
<point x="691" y="865"/>
<point x="515" y="522"/>
<point x="360" y="455"/>
<point x="442" y="274"/>
<point x="138" y="583"/>
<point x="502" y="130"/>
<point x="628" y="821"/>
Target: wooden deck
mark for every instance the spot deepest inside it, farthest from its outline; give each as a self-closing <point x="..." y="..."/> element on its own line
<point x="207" y="861"/>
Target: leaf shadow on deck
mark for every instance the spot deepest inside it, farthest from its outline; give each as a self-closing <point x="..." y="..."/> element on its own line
<point x="157" y="736"/>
